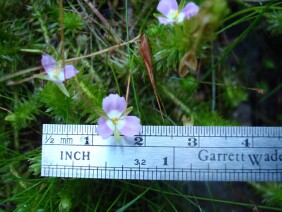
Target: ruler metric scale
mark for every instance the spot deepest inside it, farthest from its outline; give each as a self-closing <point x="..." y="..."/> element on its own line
<point x="180" y="153"/>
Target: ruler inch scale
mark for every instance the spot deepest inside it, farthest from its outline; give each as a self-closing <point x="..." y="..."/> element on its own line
<point x="179" y="153"/>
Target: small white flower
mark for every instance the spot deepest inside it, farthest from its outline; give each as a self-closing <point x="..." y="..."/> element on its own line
<point x="54" y="71"/>
<point x="116" y="120"/>
<point x="169" y="8"/>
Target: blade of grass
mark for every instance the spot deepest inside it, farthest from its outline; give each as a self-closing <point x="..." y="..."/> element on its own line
<point x="176" y="101"/>
<point x="115" y="201"/>
<point x="132" y="201"/>
<point x="131" y="61"/>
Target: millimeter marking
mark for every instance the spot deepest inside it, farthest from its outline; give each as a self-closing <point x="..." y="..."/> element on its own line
<point x="181" y="153"/>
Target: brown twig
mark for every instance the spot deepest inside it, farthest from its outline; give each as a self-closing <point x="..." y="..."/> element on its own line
<point x="4" y="78"/>
<point x="12" y="83"/>
<point x="102" y="19"/>
<point x="9" y="76"/>
<point x="2" y="108"/>
<point x="104" y="50"/>
<point x="127" y="87"/>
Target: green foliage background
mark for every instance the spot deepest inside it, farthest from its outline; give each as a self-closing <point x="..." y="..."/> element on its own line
<point x="221" y="36"/>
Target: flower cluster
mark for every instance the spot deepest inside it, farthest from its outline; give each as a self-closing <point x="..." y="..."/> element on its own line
<point x="116" y="121"/>
<point x="169" y="8"/>
<point x="54" y="71"/>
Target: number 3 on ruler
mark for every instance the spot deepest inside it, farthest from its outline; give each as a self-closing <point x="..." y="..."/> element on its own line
<point x="192" y="142"/>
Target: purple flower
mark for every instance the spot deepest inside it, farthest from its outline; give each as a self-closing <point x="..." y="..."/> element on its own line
<point x="169" y="8"/>
<point x="116" y="120"/>
<point x="55" y="72"/>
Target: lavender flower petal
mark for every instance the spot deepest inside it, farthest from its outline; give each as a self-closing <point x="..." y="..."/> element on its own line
<point x="164" y="20"/>
<point x="190" y="10"/>
<point x="48" y="62"/>
<point x="114" y="102"/>
<point x="131" y="126"/>
<point x="103" y="129"/>
<point x="165" y="6"/>
<point x="69" y="71"/>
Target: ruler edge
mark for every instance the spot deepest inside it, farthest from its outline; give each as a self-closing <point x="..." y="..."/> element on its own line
<point x="275" y="131"/>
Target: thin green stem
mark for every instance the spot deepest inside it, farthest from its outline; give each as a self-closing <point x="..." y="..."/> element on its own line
<point x="176" y="101"/>
<point x="213" y="82"/>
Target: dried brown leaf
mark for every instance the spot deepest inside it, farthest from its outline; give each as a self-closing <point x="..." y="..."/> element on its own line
<point x="145" y="52"/>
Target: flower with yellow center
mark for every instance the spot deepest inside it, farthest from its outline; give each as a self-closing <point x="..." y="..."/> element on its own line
<point x="115" y="119"/>
<point x="169" y="8"/>
<point x="54" y="70"/>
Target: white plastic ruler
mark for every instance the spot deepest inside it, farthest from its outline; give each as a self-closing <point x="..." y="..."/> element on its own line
<point x="164" y="153"/>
